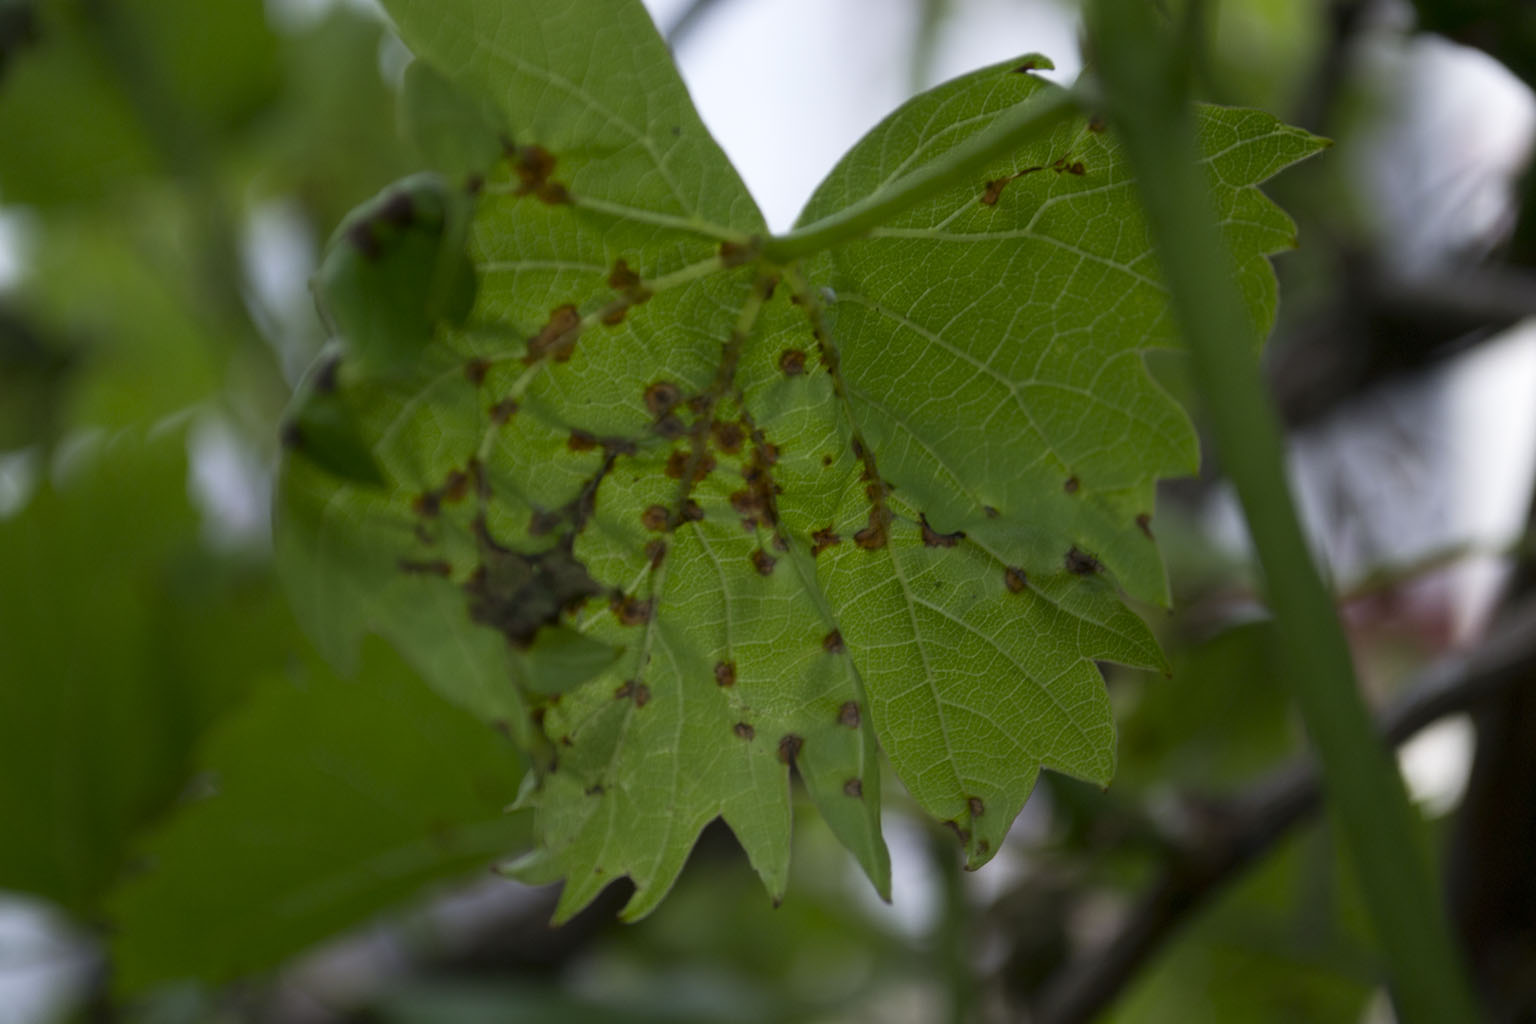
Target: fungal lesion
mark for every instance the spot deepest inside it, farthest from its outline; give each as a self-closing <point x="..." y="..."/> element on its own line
<point x="993" y="191"/>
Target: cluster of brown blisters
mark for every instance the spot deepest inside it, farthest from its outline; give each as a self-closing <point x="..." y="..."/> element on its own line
<point x="1081" y="563"/>
<point x="877" y="532"/>
<point x="1061" y="165"/>
<point x="854" y="788"/>
<point x="934" y="539"/>
<point x="1015" y="580"/>
<point x="518" y="594"/>
<point x="848" y="714"/>
<point x="833" y="643"/>
<point x="725" y="673"/>
<point x="534" y="166"/>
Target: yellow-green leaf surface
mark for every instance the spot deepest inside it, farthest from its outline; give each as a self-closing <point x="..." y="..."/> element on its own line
<point x="887" y="497"/>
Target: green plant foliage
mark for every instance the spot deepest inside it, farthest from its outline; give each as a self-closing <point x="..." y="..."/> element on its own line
<point x="887" y="497"/>
<point x="381" y="788"/>
<point x="97" y="93"/>
<point x="95" y="736"/>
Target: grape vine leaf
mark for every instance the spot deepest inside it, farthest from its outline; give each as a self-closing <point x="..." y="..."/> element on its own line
<point x="381" y="789"/>
<point x="887" y="497"/>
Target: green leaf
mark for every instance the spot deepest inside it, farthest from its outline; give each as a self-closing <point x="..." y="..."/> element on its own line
<point x="121" y="643"/>
<point x="394" y="269"/>
<point x="454" y="133"/>
<point x="332" y="800"/>
<point x="102" y="94"/>
<point x="885" y="497"/>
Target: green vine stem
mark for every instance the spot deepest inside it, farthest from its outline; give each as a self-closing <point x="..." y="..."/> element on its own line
<point x="1012" y="128"/>
<point x="1142" y="75"/>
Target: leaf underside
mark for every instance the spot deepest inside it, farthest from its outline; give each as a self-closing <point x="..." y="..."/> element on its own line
<point x="887" y="498"/>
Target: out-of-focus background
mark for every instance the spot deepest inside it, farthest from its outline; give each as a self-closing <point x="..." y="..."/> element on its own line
<point x="199" y="821"/>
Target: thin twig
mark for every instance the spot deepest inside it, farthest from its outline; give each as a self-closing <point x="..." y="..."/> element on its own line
<point x="1267" y="813"/>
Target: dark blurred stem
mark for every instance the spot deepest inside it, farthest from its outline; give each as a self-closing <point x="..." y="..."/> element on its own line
<point x="952" y="932"/>
<point x="1250" y="826"/>
<point x="692" y="17"/>
<point x="1146" y="91"/>
<point x="925" y="42"/>
<point x="186" y="154"/>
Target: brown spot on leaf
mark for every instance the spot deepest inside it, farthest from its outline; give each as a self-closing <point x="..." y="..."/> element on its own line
<point x="1144" y="524"/>
<point x="789" y="747"/>
<point x="1096" y="124"/>
<point x="975" y="806"/>
<point x="990" y="512"/>
<point x="426" y="504"/>
<point x="613" y="315"/>
<point x="642" y="695"/>
<point x="832" y="643"/>
<point x="744" y="730"/>
<point x="1072" y="485"/>
<point x="503" y="411"/>
<point x="455" y="486"/>
<point x="622" y="277"/>
<point x="655" y="517"/>
<point x="748" y="504"/>
<point x="596" y="789"/>
<point x="534" y="165"/>
<point x="1027" y="66"/>
<point x="656" y="551"/>
<point x="874" y="536"/>
<point x="677" y="464"/>
<point x="557" y="338"/>
<point x="725" y="673"/>
<point x="994" y="191"/>
<point x="542" y="522"/>
<point x="792" y="362"/>
<point x="1081" y="563"/>
<point x="848" y="714"/>
<point x="581" y="441"/>
<point x="933" y="539"/>
<point x="1014" y="579"/>
<point x="963" y="834"/>
<point x="736" y="254"/>
<point x="631" y="610"/>
<point x="476" y="369"/>
<point x="662" y="397"/>
<point x="854" y="788"/>
<point x="362" y="238"/>
<point x="671" y="427"/>
<point x="327" y="376"/>
<point x="763" y="562"/>
<point x="624" y="690"/>
<point x="728" y="436"/>
<point x="822" y="539"/>
<point x="693" y="512"/>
